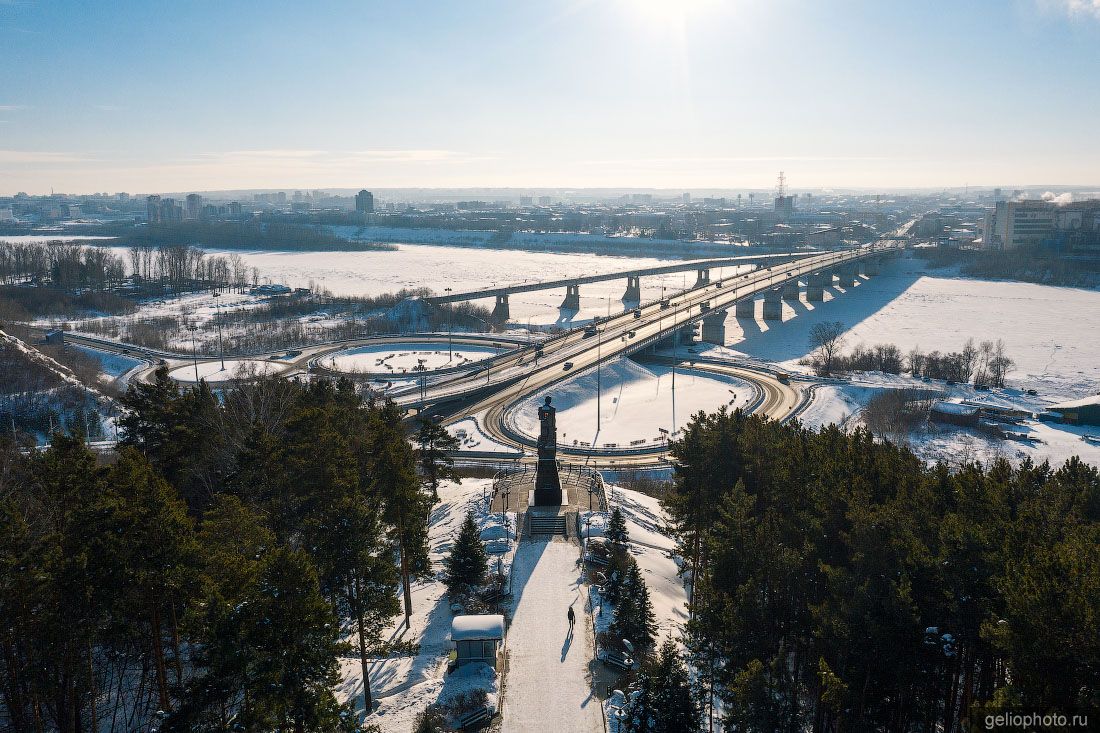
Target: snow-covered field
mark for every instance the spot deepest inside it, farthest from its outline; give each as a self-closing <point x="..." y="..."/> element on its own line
<point x="401" y="358"/>
<point x="636" y="401"/>
<point x="111" y="365"/>
<point x="213" y="372"/>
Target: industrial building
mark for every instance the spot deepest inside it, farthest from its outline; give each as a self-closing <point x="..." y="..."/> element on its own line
<point x="1080" y="412"/>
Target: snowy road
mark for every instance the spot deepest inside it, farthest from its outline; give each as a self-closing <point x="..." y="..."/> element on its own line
<point x="547" y="687"/>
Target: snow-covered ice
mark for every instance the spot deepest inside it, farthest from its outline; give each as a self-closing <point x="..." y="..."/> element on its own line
<point x="1046" y="329"/>
<point x="637" y="400"/>
<point x="401" y="358"/>
<point x="548" y="687"/>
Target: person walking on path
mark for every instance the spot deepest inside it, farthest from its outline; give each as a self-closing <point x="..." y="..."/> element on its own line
<point x="571" y="616"/>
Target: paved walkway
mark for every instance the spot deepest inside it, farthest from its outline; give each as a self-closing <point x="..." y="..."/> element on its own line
<point x="548" y="688"/>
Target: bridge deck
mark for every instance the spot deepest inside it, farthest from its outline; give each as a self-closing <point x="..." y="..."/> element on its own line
<point x="658" y="270"/>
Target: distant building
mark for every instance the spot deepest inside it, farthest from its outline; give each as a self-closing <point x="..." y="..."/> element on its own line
<point x="364" y="202"/>
<point x="1012" y="224"/>
<point x="526" y="200"/>
<point x="545" y="201"/>
<point x="234" y="208"/>
<point x="1080" y="412"/>
<point x="194" y="206"/>
<point x="687" y="198"/>
<point x="6" y="214"/>
<point x="784" y="206"/>
<point x="954" y="413"/>
<point x="152" y="209"/>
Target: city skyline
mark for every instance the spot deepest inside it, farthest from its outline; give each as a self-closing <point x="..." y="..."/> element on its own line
<point x="624" y="94"/>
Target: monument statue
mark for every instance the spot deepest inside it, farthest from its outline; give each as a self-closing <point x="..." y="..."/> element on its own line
<point x="547" y="483"/>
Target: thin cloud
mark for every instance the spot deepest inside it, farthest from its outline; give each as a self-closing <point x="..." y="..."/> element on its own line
<point x="336" y="156"/>
<point x="41" y="157"/>
<point x="12" y="107"/>
<point x="1074" y="7"/>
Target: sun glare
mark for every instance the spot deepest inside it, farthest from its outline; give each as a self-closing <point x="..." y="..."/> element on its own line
<point x="666" y="12"/>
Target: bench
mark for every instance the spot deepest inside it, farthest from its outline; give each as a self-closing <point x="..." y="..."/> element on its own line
<point x="475" y="719"/>
<point x="617" y="660"/>
<point x="597" y="560"/>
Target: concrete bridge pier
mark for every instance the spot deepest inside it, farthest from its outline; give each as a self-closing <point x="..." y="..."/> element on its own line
<point x="815" y="286"/>
<point x="849" y="276"/>
<point x="714" y="327"/>
<point x="790" y="290"/>
<point x="745" y="308"/>
<point x="686" y="334"/>
<point x="871" y="267"/>
<point x="633" y="292"/>
<point x="773" y="305"/>
<point x="572" y="300"/>
<point x="501" y="313"/>
<point x="702" y="277"/>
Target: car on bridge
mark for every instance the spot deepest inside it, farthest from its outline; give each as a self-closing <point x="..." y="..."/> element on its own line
<point x="637" y="312"/>
<point x="568" y="365"/>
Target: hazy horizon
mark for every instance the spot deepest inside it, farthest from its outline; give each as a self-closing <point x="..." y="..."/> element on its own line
<point x="570" y="94"/>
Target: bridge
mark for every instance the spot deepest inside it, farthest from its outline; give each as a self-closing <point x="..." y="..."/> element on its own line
<point x="486" y="391"/>
<point x="633" y="293"/>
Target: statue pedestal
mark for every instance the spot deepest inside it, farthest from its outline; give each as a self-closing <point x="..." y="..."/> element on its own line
<point x="547" y="497"/>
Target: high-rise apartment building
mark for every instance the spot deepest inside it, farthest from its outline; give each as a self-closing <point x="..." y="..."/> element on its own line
<point x="194" y="206"/>
<point x="364" y="202"/>
<point x="152" y="209"/>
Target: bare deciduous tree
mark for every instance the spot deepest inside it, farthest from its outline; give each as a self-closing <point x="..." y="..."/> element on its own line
<point x="826" y="340"/>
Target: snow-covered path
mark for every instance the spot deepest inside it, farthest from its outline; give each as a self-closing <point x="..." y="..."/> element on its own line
<point x="548" y="687"/>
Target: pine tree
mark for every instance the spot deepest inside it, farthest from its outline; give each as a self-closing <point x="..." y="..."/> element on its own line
<point x="664" y="701"/>
<point x="634" y="618"/>
<point x="391" y="477"/>
<point x="617" y="533"/>
<point x="436" y="464"/>
<point x="290" y="636"/>
<point x="467" y="564"/>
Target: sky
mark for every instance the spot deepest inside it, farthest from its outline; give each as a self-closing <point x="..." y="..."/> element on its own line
<point x="176" y="96"/>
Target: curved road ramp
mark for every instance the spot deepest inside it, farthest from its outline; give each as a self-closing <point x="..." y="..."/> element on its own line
<point x="547" y="687"/>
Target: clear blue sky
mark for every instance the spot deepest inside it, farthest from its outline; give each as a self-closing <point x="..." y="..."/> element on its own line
<point x="172" y="96"/>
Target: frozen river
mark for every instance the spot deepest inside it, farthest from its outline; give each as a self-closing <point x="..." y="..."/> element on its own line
<point x="413" y="266"/>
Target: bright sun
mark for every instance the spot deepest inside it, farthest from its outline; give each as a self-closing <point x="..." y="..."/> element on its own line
<point x="660" y="12"/>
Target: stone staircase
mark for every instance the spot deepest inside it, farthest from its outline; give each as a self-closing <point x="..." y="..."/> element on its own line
<point x="539" y="524"/>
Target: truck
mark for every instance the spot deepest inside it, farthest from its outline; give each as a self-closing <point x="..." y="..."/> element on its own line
<point x="637" y="312"/>
<point x="590" y="330"/>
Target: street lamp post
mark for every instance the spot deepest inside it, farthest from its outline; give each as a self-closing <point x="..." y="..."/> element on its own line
<point x="194" y="351"/>
<point x="450" y="326"/>
<point x="599" y="361"/>
<point x="218" y="320"/>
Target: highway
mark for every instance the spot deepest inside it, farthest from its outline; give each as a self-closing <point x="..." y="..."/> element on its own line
<point x="486" y="393"/>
